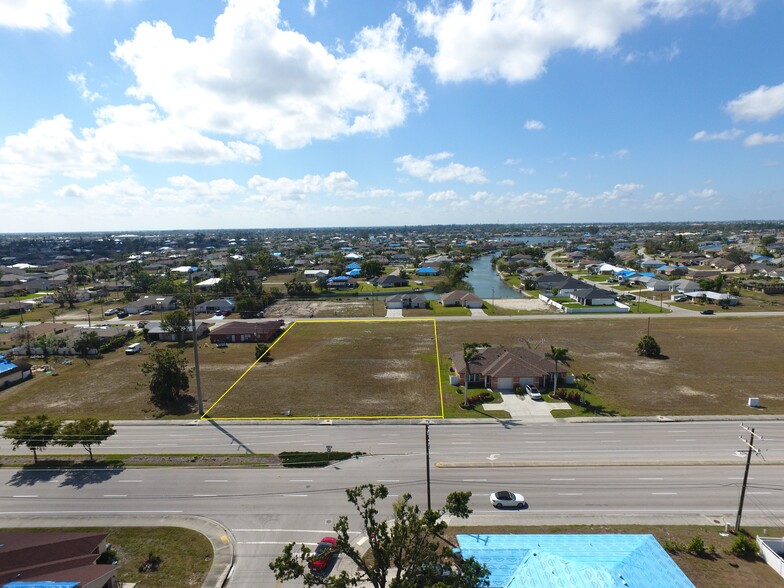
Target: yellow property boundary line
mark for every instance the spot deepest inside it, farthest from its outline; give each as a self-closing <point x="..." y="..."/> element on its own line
<point x="336" y="417"/>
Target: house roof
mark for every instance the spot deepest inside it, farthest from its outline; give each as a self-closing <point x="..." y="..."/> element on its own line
<point x="458" y="296"/>
<point x="506" y="362"/>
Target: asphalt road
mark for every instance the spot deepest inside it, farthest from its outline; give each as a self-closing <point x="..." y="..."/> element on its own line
<point x="657" y="477"/>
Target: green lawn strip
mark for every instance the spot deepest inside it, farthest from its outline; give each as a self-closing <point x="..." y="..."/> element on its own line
<point x="646" y="308"/>
<point x="721" y="570"/>
<point x="436" y="309"/>
<point x="186" y="555"/>
<point x="81" y="461"/>
<point x="314" y="459"/>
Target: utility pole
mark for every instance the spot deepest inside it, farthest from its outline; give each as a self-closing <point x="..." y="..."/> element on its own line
<point x="195" y="344"/>
<point x="750" y="445"/>
<point x="427" y="461"/>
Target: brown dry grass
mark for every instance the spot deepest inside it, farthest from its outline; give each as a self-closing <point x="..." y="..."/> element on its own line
<point x="341" y="369"/>
<point x="714" y="364"/>
<point x="723" y="571"/>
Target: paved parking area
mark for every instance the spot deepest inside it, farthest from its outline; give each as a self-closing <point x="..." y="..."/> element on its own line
<point x="522" y="408"/>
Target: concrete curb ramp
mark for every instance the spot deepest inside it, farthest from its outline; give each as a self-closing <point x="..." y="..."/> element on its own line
<point x="219" y="536"/>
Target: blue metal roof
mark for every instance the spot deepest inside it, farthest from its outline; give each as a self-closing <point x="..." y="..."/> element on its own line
<point x="574" y="561"/>
<point x="5" y="365"/>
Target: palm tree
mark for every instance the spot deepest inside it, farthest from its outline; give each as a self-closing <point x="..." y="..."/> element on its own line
<point x="470" y="353"/>
<point x="54" y="312"/>
<point x="585" y="379"/>
<point x="558" y="354"/>
<point x="89" y="311"/>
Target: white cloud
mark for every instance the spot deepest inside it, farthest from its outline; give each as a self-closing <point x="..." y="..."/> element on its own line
<point x="52" y="147"/>
<point x="756" y="139"/>
<point x="258" y="79"/>
<point x="283" y="190"/>
<point x="116" y="194"/>
<point x="619" y="154"/>
<point x="619" y="195"/>
<point x="667" y="54"/>
<point x="425" y="169"/>
<point x="727" y="135"/>
<point x="513" y="39"/>
<point x="534" y="125"/>
<point x="140" y="131"/>
<point x="80" y="82"/>
<point x="443" y="196"/>
<point x="761" y="104"/>
<point x="35" y="15"/>
<point x="529" y="171"/>
<point x="506" y="183"/>
<point x="185" y="189"/>
<point x="311" y="6"/>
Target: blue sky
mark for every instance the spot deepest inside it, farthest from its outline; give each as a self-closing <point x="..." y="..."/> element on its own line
<point x="146" y="114"/>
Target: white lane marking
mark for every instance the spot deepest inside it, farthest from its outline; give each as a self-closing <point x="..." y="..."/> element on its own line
<point x="130" y="481"/>
<point x="362" y="541"/>
<point x="664" y="493"/>
<point x="387" y="481"/>
<point x="390" y="443"/>
<point x="168" y="445"/>
<point x="562" y="479"/>
<point x="650" y="478"/>
<point x="25" y="496"/>
<point x="534" y="442"/>
<point x="477" y="480"/>
<point x="295" y="495"/>
<point x="300" y="480"/>
<point x="570" y="494"/>
<point x="115" y="496"/>
<point x="459" y="443"/>
<point x="95" y="512"/>
<point x="738" y="478"/>
<point x="685" y="440"/>
<point x="205" y="495"/>
<point x="760" y="492"/>
<point x="214" y="481"/>
<point x="604" y="432"/>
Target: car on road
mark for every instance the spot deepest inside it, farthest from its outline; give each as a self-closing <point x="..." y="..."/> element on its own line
<point x="507" y="499"/>
<point x="706" y="311"/>
<point x="110" y="312"/>
<point x="680" y="298"/>
<point x="145" y="313"/>
<point x="533" y="392"/>
<point x="122" y="314"/>
<point x="323" y="555"/>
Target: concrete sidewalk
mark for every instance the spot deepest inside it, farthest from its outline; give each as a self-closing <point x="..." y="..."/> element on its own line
<point x="219" y="536"/>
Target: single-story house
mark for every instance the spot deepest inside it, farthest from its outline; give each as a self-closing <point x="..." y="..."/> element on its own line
<point x="13" y="372"/>
<point x="593" y="296"/>
<point x="246" y="332"/>
<point x="559" y="283"/>
<point x="342" y="282"/>
<point x="390" y="281"/>
<point x="316" y="273"/>
<point x="505" y="368"/>
<point x="216" y="305"/>
<point x="152" y="302"/>
<point x="156" y="333"/>
<point x="406" y="301"/>
<point x="462" y="298"/>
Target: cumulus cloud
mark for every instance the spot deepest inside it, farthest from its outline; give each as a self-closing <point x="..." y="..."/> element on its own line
<point x="619" y="154"/>
<point x="283" y="190"/>
<point x="426" y="169"/>
<point x="311" y="6"/>
<point x="80" y="82"/>
<point x="141" y="131"/>
<point x="52" y="147"/>
<point x="756" y="139"/>
<point x="36" y="15"/>
<point x="257" y="78"/>
<point x="727" y="135"/>
<point x="619" y="194"/>
<point x="761" y="104"/>
<point x="534" y="125"/>
<point x="513" y="40"/>
<point x="669" y="53"/>
<point x="443" y="196"/>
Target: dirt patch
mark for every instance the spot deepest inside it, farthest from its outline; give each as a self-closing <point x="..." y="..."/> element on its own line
<point x="531" y="304"/>
<point x="321" y="309"/>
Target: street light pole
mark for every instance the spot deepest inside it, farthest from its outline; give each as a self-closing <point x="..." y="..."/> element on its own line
<point x="195" y="345"/>
<point x="427" y="462"/>
<point x="750" y="444"/>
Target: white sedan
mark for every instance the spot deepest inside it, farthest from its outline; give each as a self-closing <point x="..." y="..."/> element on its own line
<point x="507" y="499"/>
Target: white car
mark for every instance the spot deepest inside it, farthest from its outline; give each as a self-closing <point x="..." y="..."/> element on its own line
<point x="110" y="312"/>
<point x="504" y="498"/>
<point x="533" y="392"/>
<point x="145" y="313"/>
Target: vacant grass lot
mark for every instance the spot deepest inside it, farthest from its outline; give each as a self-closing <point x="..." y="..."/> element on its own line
<point x="340" y="369"/>
<point x="722" y="571"/>
<point x="388" y="368"/>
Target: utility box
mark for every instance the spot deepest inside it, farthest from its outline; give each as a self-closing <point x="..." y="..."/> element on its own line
<point x="753" y="402"/>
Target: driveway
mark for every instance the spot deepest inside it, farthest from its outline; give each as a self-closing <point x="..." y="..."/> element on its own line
<point x="394" y="313"/>
<point x="522" y="408"/>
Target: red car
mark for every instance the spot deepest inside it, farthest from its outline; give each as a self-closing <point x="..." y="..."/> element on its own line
<point x="325" y="550"/>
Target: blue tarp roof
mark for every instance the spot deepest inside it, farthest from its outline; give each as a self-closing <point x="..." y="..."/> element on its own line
<point x="353" y="266"/>
<point x="354" y="273"/>
<point x="5" y="365"/>
<point x="426" y="270"/>
<point x="574" y="561"/>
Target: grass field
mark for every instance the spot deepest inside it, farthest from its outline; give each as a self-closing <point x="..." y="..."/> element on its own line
<point x="186" y="555"/>
<point x="721" y="571"/>
<point x="712" y="366"/>
<point x="323" y="369"/>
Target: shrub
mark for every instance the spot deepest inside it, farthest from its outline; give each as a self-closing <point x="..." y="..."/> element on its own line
<point x="480" y="398"/>
<point x="672" y="546"/>
<point x="744" y="547"/>
<point x="697" y="546"/>
<point x="648" y="347"/>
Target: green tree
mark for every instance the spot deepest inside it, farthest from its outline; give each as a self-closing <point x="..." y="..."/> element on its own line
<point x="86" y="342"/>
<point x="298" y="288"/>
<point x="176" y="323"/>
<point x="584" y="381"/>
<point x="169" y="375"/>
<point x="470" y="353"/>
<point x="35" y="433"/>
<point x="371" y="268"/>
<point x="648" y="347"/>
<point x="410" y="548"/>
<point x="85" y="432"/>
<point x="261" y="349"/>
<point x="558" y="355"/>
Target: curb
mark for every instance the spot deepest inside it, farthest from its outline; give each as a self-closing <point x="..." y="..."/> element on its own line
<point x="219" y="536"/>
<point x="594" y="464"/>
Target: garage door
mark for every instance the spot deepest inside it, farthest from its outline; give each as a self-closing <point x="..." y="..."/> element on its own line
<point x="505" y="383"/>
